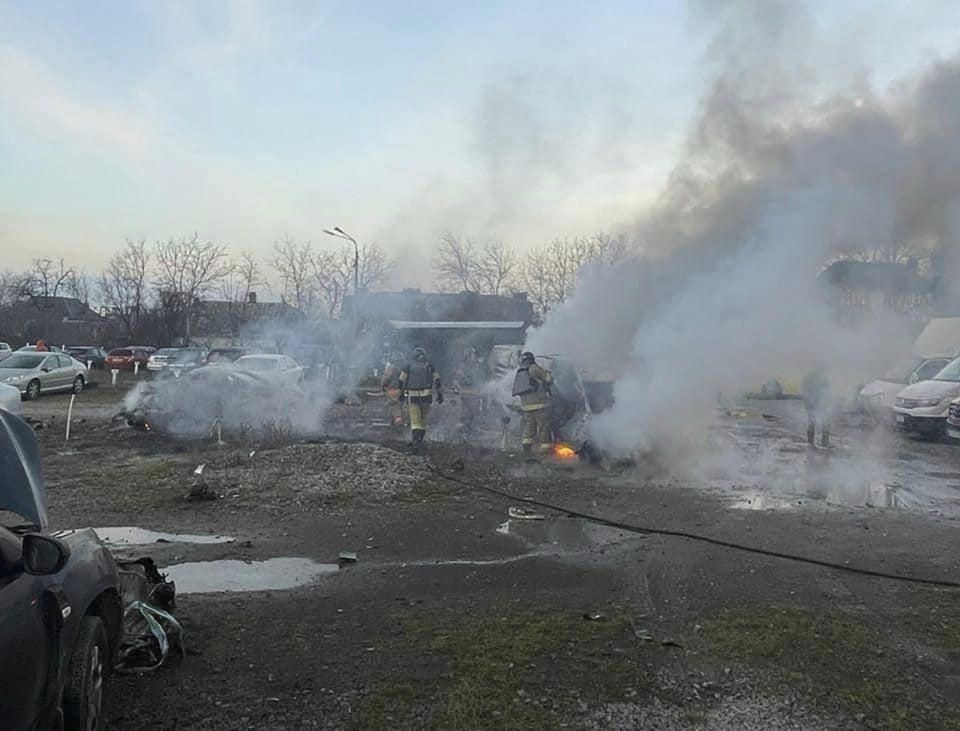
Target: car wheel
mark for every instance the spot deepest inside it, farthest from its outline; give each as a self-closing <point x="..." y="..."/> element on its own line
<point x="78" y="384"/>
<point x="33" y="390"/>
<point x="83" y="687"/>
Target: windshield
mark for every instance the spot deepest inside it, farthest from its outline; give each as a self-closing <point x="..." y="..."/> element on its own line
<point x="184" y="356"/>
<point x="950" y="373"/>
<point x="902" y="370"/>
<point x="257" y="365"/>
<point x="22" y="360"/>
<point x="166" y="351"/>
<point x="122" y="352"/>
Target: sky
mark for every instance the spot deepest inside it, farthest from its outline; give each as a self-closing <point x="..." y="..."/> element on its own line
<point x="244" y="121"/>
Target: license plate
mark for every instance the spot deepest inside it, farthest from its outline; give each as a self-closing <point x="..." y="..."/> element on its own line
<point x="901" y="418"/>
<point x="953" y="433"/>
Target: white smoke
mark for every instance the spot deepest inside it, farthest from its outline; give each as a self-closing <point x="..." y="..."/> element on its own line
<point x="722" y="292"/>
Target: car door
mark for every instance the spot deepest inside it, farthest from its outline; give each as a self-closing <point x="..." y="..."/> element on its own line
<point x="48" y="373"/>
<point x="25" y="649"/>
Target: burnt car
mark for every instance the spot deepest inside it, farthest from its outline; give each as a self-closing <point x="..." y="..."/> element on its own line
<point x="221" y="396"/>
<point x="60" y="602"/>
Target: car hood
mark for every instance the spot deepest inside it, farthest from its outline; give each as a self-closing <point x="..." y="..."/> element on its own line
<point x="889" y="389"/>
<point x="21" y="482"/>
<point x="930" y="389"/>
<point x="11" y="372"/>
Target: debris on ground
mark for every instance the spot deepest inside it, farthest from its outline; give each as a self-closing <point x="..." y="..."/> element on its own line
<point x="348" y="557"/>
<point x="524" y="514"/>
<point x="149" y="631"/>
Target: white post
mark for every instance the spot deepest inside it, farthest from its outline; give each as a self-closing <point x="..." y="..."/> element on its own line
<point x="136" y="367"/>
<point x="69" y="417"/>
<point x="89" y="364"/>
<point x="114" y="372"/>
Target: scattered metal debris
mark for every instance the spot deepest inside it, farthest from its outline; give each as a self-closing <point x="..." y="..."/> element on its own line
<point x="524" y="514"/>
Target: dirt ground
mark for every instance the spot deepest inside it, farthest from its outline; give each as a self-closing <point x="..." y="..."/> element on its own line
<point x="456" y="615"/>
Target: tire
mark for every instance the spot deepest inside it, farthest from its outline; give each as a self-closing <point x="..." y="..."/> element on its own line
<point x="83" y="685"/>
<point x="78" y="384"/>
<point x="33" y="390"/>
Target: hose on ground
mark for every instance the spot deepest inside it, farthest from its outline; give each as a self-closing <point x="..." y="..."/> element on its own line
<point x="692" y="536"/>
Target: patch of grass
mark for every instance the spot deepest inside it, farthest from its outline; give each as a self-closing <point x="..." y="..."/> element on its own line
<point x="493" y="661"/>
<point x="826" y="652"/>
<point x="389" y="706"/>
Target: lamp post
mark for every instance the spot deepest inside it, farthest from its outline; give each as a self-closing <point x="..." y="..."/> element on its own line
<point x="341" y="234"/>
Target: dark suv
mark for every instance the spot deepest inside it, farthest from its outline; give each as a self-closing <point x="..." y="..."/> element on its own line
<point x="60" y="607"/>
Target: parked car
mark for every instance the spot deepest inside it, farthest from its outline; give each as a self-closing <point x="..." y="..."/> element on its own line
<point x="185" y="359"/>
<point x="60" y="602"/>
<point x="92" y="354"/>
<point x="953" y="420"/>
<point x="36" y="373"/>
<point x="33" y="349"/>
<point x="124" y="358"/>
<point x="878" y="397"/>
<point x="223" y="356"/>
<point x="158" y="360"/>
<point x="9" y="398"/>
<point x="5" y="350"/>
<point x="276" y="368"/>
<point x="923" y="407"/>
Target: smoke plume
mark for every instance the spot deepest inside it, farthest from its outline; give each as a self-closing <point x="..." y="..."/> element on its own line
<point x="722" y="292"/>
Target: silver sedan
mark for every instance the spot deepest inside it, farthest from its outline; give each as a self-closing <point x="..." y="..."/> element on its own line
<point x="35" y="373"/>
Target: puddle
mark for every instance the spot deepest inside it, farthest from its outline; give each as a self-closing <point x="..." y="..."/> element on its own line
<point x="569" y="534"/>
<point x="229" y="575"/>
<point x="764" y="502"/>
<point x="120" y="535"/>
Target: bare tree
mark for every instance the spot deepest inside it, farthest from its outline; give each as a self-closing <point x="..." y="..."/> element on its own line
<point x="78" y="286"/>
<point x="187" y="270"/>
<point x="46" y="277"/>
<point x="549" y="271"/>
<point x="123" y="287"/>
<point x="456" y="264"/>
<point x="245" y="278"/>
<point x="497" y="266"/>
<point x="295" y="264"/>
<point x="12" y="287"/>
<point x="333" y="272"/>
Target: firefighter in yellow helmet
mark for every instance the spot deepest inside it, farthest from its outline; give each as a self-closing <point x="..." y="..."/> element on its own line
<point x="418" y="382"/>
<point x="532" y="384"/>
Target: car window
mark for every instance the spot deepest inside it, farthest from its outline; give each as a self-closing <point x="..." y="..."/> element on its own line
<point x="63" y="361"/>
<point x="951" y="372"/>
<point x="22" y="360"/>
<point x="51" y="362"/>
<point x="928" y="370"/>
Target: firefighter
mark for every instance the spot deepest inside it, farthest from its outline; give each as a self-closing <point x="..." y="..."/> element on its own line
<point x="390" y="383"/>
<point x="468" y="384"/>
<point x="418" y="381"/>
<point x="816" y="397"/>
<point x="532" y="384"/>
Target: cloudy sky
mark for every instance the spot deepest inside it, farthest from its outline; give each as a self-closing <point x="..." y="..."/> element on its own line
<point x="245" y="120"/>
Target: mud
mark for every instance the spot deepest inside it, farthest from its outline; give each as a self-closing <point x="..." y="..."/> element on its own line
<point x="457" y="615"/>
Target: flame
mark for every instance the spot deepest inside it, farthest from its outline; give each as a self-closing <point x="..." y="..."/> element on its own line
<point x="564" y="451"/>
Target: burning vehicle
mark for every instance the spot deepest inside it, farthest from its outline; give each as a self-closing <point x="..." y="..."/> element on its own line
<point x="577" y="393"/>
<point x="219" y="398"/>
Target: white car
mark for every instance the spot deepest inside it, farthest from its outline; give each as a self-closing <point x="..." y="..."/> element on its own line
<point x="276" y="368"/>
<point x="158" y="361"/>
<point x="5" y="350"/>
<point x="9" y="398"/>
<point x="923" y="406"/>
<point x="878" y="397"/>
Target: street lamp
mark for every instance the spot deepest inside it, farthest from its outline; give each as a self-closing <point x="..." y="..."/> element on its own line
<point x="341" y="234"/>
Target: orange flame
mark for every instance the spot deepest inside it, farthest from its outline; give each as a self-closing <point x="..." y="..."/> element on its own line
<point x="564" y="451"/>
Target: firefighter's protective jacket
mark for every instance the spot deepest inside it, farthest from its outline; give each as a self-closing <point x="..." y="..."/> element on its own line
<point x="419" y="379"/>
<point x="538" y="397"/>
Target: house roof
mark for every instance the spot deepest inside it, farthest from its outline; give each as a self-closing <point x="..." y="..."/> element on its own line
<point x="62" y="308"/>
<point x="216" y="316"/>
<point x="457" y="325"/>
<point x="415" y="306"/>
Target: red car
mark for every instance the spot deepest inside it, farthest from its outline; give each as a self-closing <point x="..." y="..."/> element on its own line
<point x="124" y="358"/>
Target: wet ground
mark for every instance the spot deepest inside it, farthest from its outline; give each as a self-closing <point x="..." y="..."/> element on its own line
<point x="379" y="595"/>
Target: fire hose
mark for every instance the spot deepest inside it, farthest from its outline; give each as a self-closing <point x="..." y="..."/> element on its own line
<point x="692" y="536"/>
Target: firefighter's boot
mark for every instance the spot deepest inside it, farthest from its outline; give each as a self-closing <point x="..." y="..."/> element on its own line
<point x="418" y="435"/>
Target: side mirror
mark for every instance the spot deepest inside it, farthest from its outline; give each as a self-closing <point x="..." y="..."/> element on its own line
<point x="44" y="555"/>
<point x="45" y="369"/>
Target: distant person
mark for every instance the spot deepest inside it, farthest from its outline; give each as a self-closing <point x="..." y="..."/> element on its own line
<point x="532" y="384"/>
<point x="390" y="383"/>
<point x="42" y="346"/>
<point x="816" y="397"/>
<point x="468" y="383"/>
<point x="418" y="381"/>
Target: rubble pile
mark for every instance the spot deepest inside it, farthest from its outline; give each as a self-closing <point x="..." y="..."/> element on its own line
<point x="339" y="469"/>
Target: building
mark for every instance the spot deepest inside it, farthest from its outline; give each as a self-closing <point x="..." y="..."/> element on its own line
<point x="445" y="324"/>
<point x="249" y="323"/>
<point x="58" y="320"/>
<point x="864" y="289"/>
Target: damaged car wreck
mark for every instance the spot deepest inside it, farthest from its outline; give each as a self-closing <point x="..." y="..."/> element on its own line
<point x="68" y="617"/>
